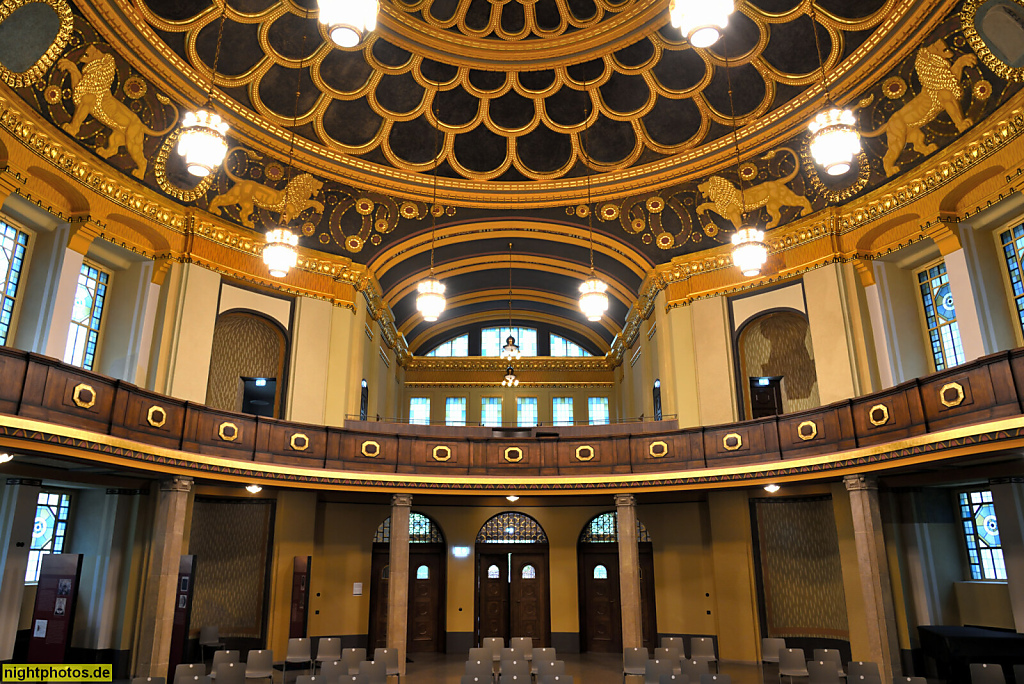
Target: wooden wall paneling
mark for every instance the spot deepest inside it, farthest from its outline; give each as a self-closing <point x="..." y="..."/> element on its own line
<point x="1016" y="359"/>
<point x="682" y="450"/>
<point x="51" y="389"/>
<point x="896" y="414"/>
<point x="204" y="427"/>
<point x="969" y="394"/>
<point x="599" y="454"/>
<point x="758" y="442"/>
<point x="148" y="417"/>
<point x="346" y="451"/>
<point x="453" y="455"/>
<point x="495" y="462"/>
<point x="13" y="370"/>
<point x="818" y="431"/>
<point x="299" y="444"/>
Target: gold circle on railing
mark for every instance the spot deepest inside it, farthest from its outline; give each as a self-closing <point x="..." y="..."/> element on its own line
<point x="518" y="454"/>
<point x="658" y="449"/>
<point x="84" y="396"/>
<point x="956" y="394"/>
<point x="299" y="442"/>
<point x="228" y="431"/>
<point x="584" y="449"/>
<point x="807" y="430"/>
<point x="156" y="416"/>
<point x="878" y="414"/>
<point x="370" y="449"/>
<point x="735" y="438"/>
<point x="441" y="453"/>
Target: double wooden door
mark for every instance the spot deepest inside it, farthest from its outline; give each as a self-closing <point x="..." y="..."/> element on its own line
<point x="426" y="620"/>
<point x="600" y="610"/>
<point x="513" y="593"/>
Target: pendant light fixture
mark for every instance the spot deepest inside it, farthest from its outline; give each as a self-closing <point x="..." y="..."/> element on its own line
<point x="834" y="140"/>
<point x="281" y="253"/>
<point x="348" y="21"/>
<point x="749" y="251"/>
<point x="700" y="21"/>
<point x="202" y="140"/>
<point x="510" y="352"/>
<point x="593" y="291"/>
<point x="430" y="301"/>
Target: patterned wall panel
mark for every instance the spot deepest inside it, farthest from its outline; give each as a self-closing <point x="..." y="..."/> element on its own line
<point x="230" y="540"/>
<point x="801" y="571"/>
<point x="248" y="346"/>
<point x="780" y="344"/>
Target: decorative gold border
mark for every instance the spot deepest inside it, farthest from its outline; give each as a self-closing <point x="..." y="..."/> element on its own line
<point x="447" y="453"/>
<point x="76" y="396"/>
<point x="585" y="447"/>
<point x="885" y="415"/>
<point x="223" y="428"/>
<point x="152" y="420"/>
<point x="365" y="451"/>
<point x="664" y="449"/>
<point x="800" y="430"/>
<point x="56" y="49"/>
<point x="739" y="441"/>
<point x="515" y="449"/>
<point x="959" y="394"/>
<point x="981" y="48"/>
<point x="295" y="438"/>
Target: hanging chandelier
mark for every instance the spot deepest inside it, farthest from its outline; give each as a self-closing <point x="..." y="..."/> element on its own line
<point x="203" y="138"/>
<point x="834" y="140"/>
<point x="593" y="291"/>
<point x="430" y="301"/>
<point x="348" y="21"/>
<point x="510" y="378"/>
<point x="280" y="254"/>
<point x="749" y="252"/>
<point x="700" y="21"/>
<point x="510" y="352"/>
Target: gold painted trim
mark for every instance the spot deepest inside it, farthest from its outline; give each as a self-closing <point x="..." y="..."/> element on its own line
<point x="739" y="441"/>
<point x="959" y="394"/>
<point x="365" y="449"/>
<point x="76" y="396"/>
<point x="438" y="449"/>
<point x="813" y="432"/>
<point x="151" y="416"/>
<point x="587" y="448"/>
<point x="22" y="79"/>
<point x="517" y="450"/>
<point x="295" y="439"/>
<point x="223" y="428"/>
<point x="885" y="415"/>
<point x="662" y="452"/>
<point x="981" y="48"/>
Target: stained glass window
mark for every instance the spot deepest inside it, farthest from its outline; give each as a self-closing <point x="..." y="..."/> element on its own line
<point x="604" y="528"/>
<point x="457" y="346"/>
<point x="512" y="528"/>
<point x="529" y="572"/>
<point x="1013" y="252"/>
<point x="981" y="532"/>
<point x="13" y="244"/>
<point x="940" y="317"/>
<point x="561" y="411"/>
<point x="563" y="347"/>
<point x="493" y="339"/>
<point x="86" y="316"/>
<point x="600" y="572"/>
<point x="526" y="411"/>
<point x="493" y="572"/>
<point x="422" y="530"/>
<point x="48" y="530"/>
<point x="455" y="411"/>
<point x="422" y="572"/>
<point x="419" y="411"/>
<point x="597" y="409"/>
<point x="490" y="411"/>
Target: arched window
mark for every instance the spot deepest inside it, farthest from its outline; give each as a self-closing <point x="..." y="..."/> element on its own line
<point x="457" y="346"/>
<point x="511" y="528"/>
<point x="600" y="572"/>
<point x="422" y="530"/>
<point x="657" y="400"/>
<point x="422" y="572"/>
<point x="364" y="400"/>
<point x="493" y="572"/>
<point x="529" y="572"/>
<point x="604" y="528"/>
<point x="563" y="347"/>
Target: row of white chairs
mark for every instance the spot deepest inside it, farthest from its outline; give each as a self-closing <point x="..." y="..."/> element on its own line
<point x="670" y="658"/>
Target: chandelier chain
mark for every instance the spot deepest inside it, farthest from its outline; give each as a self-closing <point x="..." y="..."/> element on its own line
<point x="216" y="52"/>
<point x="437" y="153"/>
<point x="298" y="91"/>
<point x="817" y="52"/>
<point x="586" y="143"/>
<point x="510" y="288"/>
<point x="735" y="127"/>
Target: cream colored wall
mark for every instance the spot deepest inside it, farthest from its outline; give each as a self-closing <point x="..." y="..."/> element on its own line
<point x="676" y="362"/>
<point x="716" y="384"/>
<point x="734" y="593"/>
<point x="984" y="604"/>
<point x="750" y="306"/>
<point x="831" y="334"/>
<point x="277" y="308"/>
<point x="345" y="368"/>
<point x="310" y="354"/>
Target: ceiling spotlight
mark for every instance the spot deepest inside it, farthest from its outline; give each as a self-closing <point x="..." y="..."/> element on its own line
<point x="512" y="497"/>
<point x="749" y="251"/>
<point x="280" y="254"/>
<point x="6" y="458"/>
<point x="772" y="488"/>
<point x="254" y="489"/>
<point x="700" y="21"/>
<point x="348" y="21"/>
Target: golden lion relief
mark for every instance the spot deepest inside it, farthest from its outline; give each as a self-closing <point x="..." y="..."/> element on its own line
<point x="941" y="91"/>
<point x="295" y="198"/>
<point x="91" y="93"/>
<point x="726" y="200"/>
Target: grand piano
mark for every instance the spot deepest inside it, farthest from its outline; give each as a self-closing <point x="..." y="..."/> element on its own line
<point x="954" y="649"/>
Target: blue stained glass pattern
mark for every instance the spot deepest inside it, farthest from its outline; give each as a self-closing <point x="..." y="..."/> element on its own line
<point x="493" y="572"/>
<point x="48" y="530"/>
<point x="13" y="244"/>
<point x="940" y="317"/>
<point x="600" y="572"/>
<point x="422" y="572"/>
<point x="529" y="572"/>
<point x="1013" y="253"/>
<point x="86" y="316"/>
<point x="604" y="528"/>
<point x="981" y="534"/>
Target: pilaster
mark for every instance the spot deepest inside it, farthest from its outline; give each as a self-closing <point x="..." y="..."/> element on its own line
<point x="17" y="514"/>
<point x="1008" y="497"/>
<point x="629" y="571"/>
<point x="398" y="576"/>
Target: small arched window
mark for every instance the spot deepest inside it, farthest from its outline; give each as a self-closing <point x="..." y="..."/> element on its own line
<point x="422" y="572"/>
<point x="385" y="572"/>
<point x="493" y="572"/>
<point x="600" y="572"/>
<point x="529" y="572"/>
<point x="657" y="399"/>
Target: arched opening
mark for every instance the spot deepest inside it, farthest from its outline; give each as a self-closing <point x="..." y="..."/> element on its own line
<point x="364" y="399"/>
<point x="597" y="560"/>
<point x="427" y="586"/>
<point x="776" y="365"/>
<point x="513" y="579"/>
<point x="247" y="365"/>
<point x="657" y="399"/>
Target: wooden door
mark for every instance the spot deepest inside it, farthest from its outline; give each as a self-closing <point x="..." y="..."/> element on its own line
<point x="528" y="589"/>
<point x="379" y="572"/>
<point x="599" y="601"/>
<point x="426" y="600"/>
<point x="648" y="615"/>
<point x="492" y="594"/>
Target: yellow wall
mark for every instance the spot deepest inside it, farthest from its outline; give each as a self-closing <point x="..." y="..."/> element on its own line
<point x="734" y="592"/>
<point x="294" y="527"/>
<point x="984" y="604"/>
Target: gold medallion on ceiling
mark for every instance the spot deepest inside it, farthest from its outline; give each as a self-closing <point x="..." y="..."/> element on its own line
<point x="22" y="20"/>
<point x="1008" y="19"/>
<point x="894" y="87"/>
<point x="353" y="243"/>
<point x="665" y="240"/>
<point x="163" y="155"/>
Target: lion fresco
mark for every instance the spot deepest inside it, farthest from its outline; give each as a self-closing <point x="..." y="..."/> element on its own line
<point x="295" y="198"/>
<point x="940" y="92"/>
<point x="726" y="200"/>
<point x="91" y="93"/>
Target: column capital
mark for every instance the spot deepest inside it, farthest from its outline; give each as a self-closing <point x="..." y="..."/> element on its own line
<point x="625" y="500"/>
<point x="860" y="482"/>
<point x="179" y="483"/>
<point x="127" y="492"/>
<point x="401" y="500"/>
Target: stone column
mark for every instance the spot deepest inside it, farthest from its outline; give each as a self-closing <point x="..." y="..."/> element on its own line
<point x="629" y="572"/>
<point x="874" y="574"/>
<point x="1008" y="496"/>
<point x="157" y="618"/>
<point x="17" y="515"/>
<point x="398" y="576"/>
